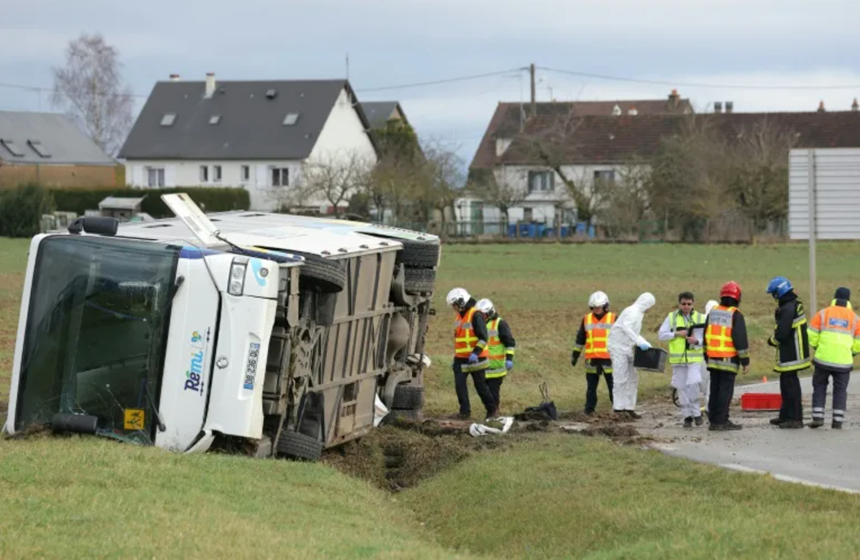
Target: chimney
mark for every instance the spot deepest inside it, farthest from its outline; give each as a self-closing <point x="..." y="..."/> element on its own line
<point x="730" y="106"/>
<point x="855" y="106"/>
<point x="174" y="77"/>
<point x="821" y="108"/>
<point x="674" y="99"/>
<point x="718" y="106"/>
<point x="210" y="84"/>
<point x="633" y="111"/>
<point x="616" y="111"/>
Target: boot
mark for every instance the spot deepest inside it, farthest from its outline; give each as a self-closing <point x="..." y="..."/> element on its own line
<point x="816" y="423"/>
<point x="732" y="426"/>
<point x="698" y="420"/>
<point x="776" y="421"/>
<point x="791" y="425"/>
<point x="633" y="414"/>
<point x="836" y="425"/>
<point x="688" y="422"/>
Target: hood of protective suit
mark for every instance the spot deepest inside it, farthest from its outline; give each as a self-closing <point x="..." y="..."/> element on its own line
<point x="624" y="335"/>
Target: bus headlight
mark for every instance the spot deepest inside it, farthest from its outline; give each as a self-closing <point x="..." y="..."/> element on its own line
<point x="236" y="282"/>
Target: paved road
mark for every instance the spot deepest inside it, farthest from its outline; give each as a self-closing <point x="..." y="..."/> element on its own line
<point x="822" y="456"/>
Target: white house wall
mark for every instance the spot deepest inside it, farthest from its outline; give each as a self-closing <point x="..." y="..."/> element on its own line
<point x="264" y="197"/>
<point x="342" y="138"/>
<point x="543" y="203"/>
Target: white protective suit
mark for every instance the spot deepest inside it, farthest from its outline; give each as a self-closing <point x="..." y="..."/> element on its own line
<point x="623" y="338"/>
<point x="706" y="375"/>
<point x="687" y="378"/>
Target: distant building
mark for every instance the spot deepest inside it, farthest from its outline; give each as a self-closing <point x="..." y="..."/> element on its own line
<point x="258" y="135"/>
<point x="49" y="149"/>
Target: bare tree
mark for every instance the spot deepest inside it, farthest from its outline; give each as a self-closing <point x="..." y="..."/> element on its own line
<point x="443" y="179"/>
<point x="335" y="176"/>
<point x="556" y="146"/>
<point x="89" y="87"/>
<point x="504" y="188"/>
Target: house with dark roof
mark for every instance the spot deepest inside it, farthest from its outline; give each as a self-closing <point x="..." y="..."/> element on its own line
<point x="48" y="148"/>
<point x="258" y="135"/>
<point x="380" y="112"/>
<point x="589" y="144"/>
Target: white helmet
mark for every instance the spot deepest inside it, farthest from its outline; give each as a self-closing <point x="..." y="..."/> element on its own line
<point x="711" y="304"/>
<point x="598" y="299"/>
<point x="485" y="306"/>
<point x="458" y="296"/>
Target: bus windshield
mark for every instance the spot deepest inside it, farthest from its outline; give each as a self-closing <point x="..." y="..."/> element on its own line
<point x="96" y="333"/>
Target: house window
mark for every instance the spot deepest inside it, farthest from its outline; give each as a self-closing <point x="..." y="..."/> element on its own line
<point x="204" y="174"/>
<point x="280" y="176"/>
<point x="246" y="173"/>
<point x="168" y="119"/>
<point x="291" y="119"/>
<point x="606" y="176"/>
<point x="541" y="181"/>
<point x="155" y="176"/>
<point x="528" y="214"/>
<point x="216" y="173"/>
<point x="214" y="119"/>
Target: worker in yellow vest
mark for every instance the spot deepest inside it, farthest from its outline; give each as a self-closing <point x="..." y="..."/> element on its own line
<point x="501" y="346"/>
<point x="835" y="334"/>
<point x="592" y="337"/>
<point x="684" y="330"/>
<point x="471" y="355"/>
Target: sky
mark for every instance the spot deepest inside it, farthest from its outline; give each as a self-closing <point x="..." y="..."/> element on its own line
<point x="807" y="47"/>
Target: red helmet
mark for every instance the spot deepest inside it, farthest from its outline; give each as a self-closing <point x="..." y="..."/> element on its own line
<point x="732" y="290"/>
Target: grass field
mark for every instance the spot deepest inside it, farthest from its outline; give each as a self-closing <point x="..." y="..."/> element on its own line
<point x="542" y="496"/>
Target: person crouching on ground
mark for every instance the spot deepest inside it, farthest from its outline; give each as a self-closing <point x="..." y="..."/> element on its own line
<point x="623" y="338"/>
<point x="683" y="328"/>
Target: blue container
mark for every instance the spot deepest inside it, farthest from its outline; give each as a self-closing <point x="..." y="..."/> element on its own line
<point x="565" y="231"/>
<point x="532" y="230"/>
<point x="591" y="232"/>
<point x="512" y="230"/>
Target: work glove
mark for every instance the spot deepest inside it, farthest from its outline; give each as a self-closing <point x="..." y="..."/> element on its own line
<point x="573" y="358"/>
<point x="509" y="364"/>
<point x="772" y="341"/>
<point x="473" y="358"/>
<point x="644" y="345"/>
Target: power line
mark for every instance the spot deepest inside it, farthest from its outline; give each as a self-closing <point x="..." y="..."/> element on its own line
<point x="41" y="89"/>
<point x="444" y="81"/>
<point x="364" y="90"/>
<point x="691" y="84"/>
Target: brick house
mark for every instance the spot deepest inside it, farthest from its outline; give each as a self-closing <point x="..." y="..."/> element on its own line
<point x="49" y="149"/>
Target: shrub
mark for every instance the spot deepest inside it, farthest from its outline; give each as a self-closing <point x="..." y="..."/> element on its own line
<point x="211" y="199"/>
<point x="21" y="210"/>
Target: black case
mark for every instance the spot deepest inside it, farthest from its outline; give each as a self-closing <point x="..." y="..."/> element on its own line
<point x="653" y="359"/>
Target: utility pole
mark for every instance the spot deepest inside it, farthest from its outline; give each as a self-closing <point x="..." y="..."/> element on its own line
<point x="347" y="66"/>
<point x="534" y="90"/>
<point x="811" y="211"/>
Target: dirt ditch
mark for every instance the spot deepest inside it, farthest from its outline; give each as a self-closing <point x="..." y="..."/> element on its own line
<point x="402" y="453"/>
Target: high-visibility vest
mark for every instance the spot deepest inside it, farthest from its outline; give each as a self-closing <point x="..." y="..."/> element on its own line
<point x="464" y="336"/>
<point x="596" y="336"/>
<point x="678" y="351"/>
<point x="835" y="331"/>
<point x="719" y="346"/>
<point x="497" y="350"/>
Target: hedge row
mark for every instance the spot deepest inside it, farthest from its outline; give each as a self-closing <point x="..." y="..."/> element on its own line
<point x="209" y="199"/>
<point x="21" y="210"/>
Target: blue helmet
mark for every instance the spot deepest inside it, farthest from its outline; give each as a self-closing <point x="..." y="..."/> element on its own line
<point x="779" y="286"/>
